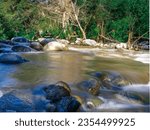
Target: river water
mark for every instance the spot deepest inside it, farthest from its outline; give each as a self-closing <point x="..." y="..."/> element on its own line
<point x="77" y="65"/>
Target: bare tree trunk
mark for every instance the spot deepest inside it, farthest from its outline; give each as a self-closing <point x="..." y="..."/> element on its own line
<point x="77" y="19"/>
<point x="130" y="36"/>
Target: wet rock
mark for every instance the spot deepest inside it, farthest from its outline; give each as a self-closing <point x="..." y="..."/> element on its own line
<point x="21" y="48"/>
<point x="92" y="86"/>
<point x="9" y="102"/>
<point x="45" y="41"/>
<point x="93" y="102"/>
<point x="56" y="92"/>
<point x="7" y="42"/>
<point x="20" y="41"/>
<point x="68" y="104"/>
<point x="5" y="50"/>
<point x="51" y="107"/>
<point x="11" y="59"/>
<point x="3" y="45"/>
<point x="37" y="46"/>
<point x="55" y="46"/>
<point x="111" y="80"/>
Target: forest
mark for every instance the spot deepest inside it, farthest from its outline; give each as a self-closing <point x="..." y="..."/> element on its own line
<point x="101" y="20"/>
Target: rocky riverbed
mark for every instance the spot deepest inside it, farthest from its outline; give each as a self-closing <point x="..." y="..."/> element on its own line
<point x="83" y="78"/>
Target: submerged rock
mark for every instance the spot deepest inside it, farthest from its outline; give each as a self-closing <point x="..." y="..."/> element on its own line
<point x="55" y="46"/>
<point x="92" y="86"/>
<point x="111" y="80"/>
<point x="21" y="48"/>
<point x="11" y="59"/>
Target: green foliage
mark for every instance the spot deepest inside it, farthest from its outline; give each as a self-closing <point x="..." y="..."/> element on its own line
<point x="112" y="18"/>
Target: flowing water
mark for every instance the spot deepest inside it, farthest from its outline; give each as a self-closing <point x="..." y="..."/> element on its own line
<point x="76" y="66"/>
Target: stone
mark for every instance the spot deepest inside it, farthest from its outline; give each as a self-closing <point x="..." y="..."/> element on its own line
<point x="20" y="41"/>
<point x="37" y="46"/>
<point x="90" y="42"/>
<point x="92" y="86"/>
<point x="11" y="59"/>
<point x="45" y="41"/>
<point x="68" y="104"/>
<point x="9" y="102"/>
<point x="55" y="46"/>
<point x="21" y="48"/>
<point x="56" y="92"/>
<point x="111" y="80"/>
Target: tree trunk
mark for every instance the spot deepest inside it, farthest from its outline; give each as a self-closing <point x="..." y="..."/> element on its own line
<point x="76" y="18"/>
<point x="130" y="36"/>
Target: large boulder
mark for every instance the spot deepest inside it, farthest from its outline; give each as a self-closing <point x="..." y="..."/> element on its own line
<point x="21" y="48"/>
<point x="55" y="46"/>
<point x="37" y="46"/>
<point x="10" y="103"/>
<point x="55" y="92"/>
<point x="11" y="59"/>
<point x="20" y="41"/>
<point x="22" y="101"/>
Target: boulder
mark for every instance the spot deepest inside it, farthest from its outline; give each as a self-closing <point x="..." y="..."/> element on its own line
<point x="11" y="59"/>
<point x="45" y="41"/>
<point x="111" y="80"/>
<point x="55" y="46"/>
<point x="9" y="102"/>
<point x="92" y="86"/>
<point x="37" y="46"/>
<point x="68" y="104"/>
<point x="63" y="41"/>
<point x="22" y="48"/>
<point x="56" y="92"/>
<point x="90" y="42"/>
<point x="20" y="41"/>
<point x="3" y="45"/>
<point x="5" y="50"/>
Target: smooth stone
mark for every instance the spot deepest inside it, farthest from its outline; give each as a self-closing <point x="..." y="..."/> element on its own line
<point x="5" y="50"/>
<point x="92" y="86"/>
<point x="55" y="46"/>
<point x="11" y="59"/>
<point x="21" y="48"/>
<point x="20" y="41"/>
<point x="111" y="80"/>
<point x="45" y="41"/>
<point x="37" y="46"/>
<point x="12" y="103"/>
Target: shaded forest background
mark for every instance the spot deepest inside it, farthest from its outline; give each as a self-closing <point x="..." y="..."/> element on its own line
<point x="120" y="20"/>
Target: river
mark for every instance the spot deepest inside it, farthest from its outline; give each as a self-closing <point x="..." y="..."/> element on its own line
<point x="77" y="65"/>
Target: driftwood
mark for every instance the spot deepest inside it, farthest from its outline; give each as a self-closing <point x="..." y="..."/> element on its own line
<point x="140" y="37"/>
<point x="111" y="40"/>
